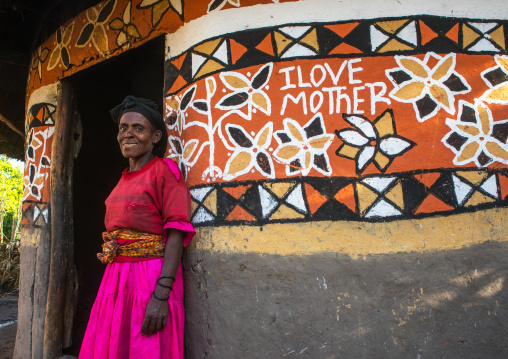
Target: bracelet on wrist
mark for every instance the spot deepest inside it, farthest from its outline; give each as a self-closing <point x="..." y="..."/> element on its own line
<point x="159" y="298"/>
<point x="164" y="285"/>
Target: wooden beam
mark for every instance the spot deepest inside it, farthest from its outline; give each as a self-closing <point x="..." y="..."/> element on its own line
<point x="61" y="255"/>
<point x="11" y="126"/>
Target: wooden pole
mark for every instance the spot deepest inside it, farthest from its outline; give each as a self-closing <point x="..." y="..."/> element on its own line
<point x="11" y="126"/>
<point x="61" y="223"/>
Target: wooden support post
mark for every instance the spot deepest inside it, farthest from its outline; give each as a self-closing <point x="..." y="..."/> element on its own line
<point x="61" y="256"/>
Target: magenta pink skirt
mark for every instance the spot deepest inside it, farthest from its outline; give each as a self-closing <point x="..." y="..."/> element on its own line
<point x="114" y="328"/>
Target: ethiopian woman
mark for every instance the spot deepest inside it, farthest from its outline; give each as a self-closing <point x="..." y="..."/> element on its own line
<point x="138" y="312"/>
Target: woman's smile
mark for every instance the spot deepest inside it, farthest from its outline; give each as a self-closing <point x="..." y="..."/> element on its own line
<point x="137" y="138"/>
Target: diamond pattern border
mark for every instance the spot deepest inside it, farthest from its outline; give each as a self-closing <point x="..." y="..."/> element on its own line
<point x="35" y="214"/>
<point x="377" y="37"/>
<point x="373" y="198"/>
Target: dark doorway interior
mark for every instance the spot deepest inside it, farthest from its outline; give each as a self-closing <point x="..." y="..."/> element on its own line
<point x="139" y="72"/>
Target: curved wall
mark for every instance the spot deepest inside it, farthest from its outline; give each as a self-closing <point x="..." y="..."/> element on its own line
<point x="347" y="163"/>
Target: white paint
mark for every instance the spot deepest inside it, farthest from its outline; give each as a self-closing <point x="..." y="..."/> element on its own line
<point x="365" y="156"/>
<point x="408" y="33"/>
<point x="301" y="83"/>
<point x="295" y="100"/>
<point x="376" y="38"/>
<point x="268" y="202"/>
<point x="429" y="58"/>
<point x="462" y="190"/>
<point x="233" y="20"/>
<point x="313" y="75"/>
<point x="197" y="61"/>
<point x="369" y="95"/>
<point x="202" y="216"/>
<point x="490" y="186"/>
<point x="313" y="106"/>
<point x="357" y="100"/>
<point x="288" y="84"/>
<point x="483" y="45"/>
<point x="376" y="97"/>
<point x="383" y="209"/>
<point x="339" y="96"/>
<point x="45" y="214"/>
<point x="484" y="27"/>
<point x="221" y="53"/>
<point x="393" y="146"/>
<point x="46" y="94"/>
<point x="37" y="211"/>
<point x="200" y="193"/>
<point x="295" y="198"/>
<point x="363" y="125"/>
<point x="294" y="31"/>
<point x="333" y="76"/>
<point x="352" y="70"/>
<point x="353" y="137"/>
<point x="380" y="184"/>
<point x="306" y="79"/>
<point x="298" y="50"/>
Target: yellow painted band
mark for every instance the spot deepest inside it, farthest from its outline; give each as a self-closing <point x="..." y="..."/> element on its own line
<point x="358" y="238"/>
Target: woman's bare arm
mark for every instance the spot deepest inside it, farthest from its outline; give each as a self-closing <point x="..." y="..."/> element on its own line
<point x="156" y="315"/>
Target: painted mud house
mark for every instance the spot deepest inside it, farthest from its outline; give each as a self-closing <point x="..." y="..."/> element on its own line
<point x="347" y="163"/>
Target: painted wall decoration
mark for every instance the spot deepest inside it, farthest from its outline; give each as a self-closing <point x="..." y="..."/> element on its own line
<point x="371" y="198"/>
<point x="220" y="4"/>
<point x="112" y="27"/>
<point x="367" y="121"/>
<point x="40" y="123"/>
<point x="100" y="32"/>
<point x="349" y="100"/>
<point x="375" y="140"/>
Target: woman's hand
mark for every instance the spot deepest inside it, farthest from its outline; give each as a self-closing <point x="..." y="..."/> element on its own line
<point x="156" y="316"/>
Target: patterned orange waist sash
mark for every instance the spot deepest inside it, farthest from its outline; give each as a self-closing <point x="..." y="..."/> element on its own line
<point x="142" y="244"/>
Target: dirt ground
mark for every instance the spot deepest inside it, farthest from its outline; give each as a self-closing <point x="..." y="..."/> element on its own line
<point x="8" y="313"/>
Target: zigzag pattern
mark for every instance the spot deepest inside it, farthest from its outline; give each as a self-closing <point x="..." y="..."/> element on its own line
<point x="409" y="35"/>
<point x="371" y="198"/>
<point x="35" y="214"/>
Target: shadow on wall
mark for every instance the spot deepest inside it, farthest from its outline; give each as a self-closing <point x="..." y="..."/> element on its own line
<point x="450" y="304"/>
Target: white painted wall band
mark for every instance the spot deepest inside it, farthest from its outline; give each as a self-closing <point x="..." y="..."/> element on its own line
<point x="308" y="11"/>
<point x="46" y="94"/>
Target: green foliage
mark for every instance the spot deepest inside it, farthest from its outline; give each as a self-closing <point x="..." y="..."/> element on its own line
<point x="11" y="190"/>
<point x="9" y="266"/>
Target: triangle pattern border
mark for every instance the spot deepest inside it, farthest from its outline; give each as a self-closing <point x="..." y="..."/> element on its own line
<point x="414" y="194"/>
<point x="358" y="40"/>
<point x="42" y="212"/>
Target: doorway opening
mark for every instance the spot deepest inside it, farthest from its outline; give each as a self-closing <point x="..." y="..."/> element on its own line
<point x="99" y="165"/>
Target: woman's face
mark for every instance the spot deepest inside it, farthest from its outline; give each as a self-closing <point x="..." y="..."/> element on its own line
<point x="136" y="136"/>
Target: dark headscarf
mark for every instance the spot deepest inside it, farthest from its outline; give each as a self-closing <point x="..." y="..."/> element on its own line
<point x="148" y="109"/>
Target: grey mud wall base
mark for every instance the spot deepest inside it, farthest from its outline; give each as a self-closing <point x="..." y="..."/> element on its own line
<point x="445" y="305"/>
